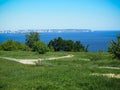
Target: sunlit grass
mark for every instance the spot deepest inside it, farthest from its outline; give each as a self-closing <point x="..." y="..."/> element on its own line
<point x="63" y="74"/>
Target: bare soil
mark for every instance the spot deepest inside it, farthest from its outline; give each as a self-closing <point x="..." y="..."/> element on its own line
<point x="32" y="61"/>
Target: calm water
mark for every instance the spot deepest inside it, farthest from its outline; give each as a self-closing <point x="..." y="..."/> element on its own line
<point x="96" y="40"/>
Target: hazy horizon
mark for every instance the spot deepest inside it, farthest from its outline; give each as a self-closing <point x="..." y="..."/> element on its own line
<point x="60" y="14"/>
<point x="57" y="29"/>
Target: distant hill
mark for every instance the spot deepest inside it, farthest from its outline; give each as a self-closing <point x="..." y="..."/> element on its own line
<point x="46" y="30"/>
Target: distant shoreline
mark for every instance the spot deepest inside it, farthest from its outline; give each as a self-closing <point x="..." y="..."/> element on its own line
<point x="50" y="31"/>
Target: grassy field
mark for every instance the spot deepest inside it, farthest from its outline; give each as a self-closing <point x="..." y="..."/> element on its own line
<point x="63" y="74"/>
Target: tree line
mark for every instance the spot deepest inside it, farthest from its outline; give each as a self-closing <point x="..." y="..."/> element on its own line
<point x="33" y="43"/>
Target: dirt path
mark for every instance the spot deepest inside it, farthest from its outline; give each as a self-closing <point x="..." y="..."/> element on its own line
<point x="109" y="75"/>
<point x="110" y="67"/>
<point x="32" y="61"/>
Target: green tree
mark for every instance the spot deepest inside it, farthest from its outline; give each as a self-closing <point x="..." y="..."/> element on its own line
<point x="31" y="38"/>
<point x="114" y="48"/>
<point x="40" y="47"/>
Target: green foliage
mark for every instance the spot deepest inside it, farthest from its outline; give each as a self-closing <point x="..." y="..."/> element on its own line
<point x="33" y="41"/>
<point x="66" y="45"/>
<point x="57" y="44"/>
<point x="11" y="45"/>
<point x="8" y="45"/>
<point x="114" y="48"/>
<point x="31" y="38"/>
<point x="40" y="47"/>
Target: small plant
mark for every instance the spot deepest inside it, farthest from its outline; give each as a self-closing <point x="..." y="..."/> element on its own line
<point x="38" y="63"/>
<point x="42" y="63"/>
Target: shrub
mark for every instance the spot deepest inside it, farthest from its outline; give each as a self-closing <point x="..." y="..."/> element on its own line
<point x="78" y="46"/>
<point x="11" y="45"/>
<point x="23" y="47"/>
<point x="114" y="48"/>
<point x="38" y="63"/>
<point x="8" y="46"/>
<point x="40" y="47"/>
<point x="67" y="45"/>
<point x="57" y="44"/>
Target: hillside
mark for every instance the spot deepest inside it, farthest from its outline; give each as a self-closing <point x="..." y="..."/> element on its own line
<point x="84" y="71"/>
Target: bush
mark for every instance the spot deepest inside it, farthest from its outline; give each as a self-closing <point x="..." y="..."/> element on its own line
<point x="23" y="47"/>
<point x="57" y="44"/>
<point x="40" y="47"/>
<point x="114" y="48"/>
<point x="78" y="47"/>
<point x="8" y="46"/>
<point x="11" y="45"/>
<point x="67" y="45"/>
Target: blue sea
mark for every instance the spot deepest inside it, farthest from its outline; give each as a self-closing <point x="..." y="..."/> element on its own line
<point x="98" y="40"/>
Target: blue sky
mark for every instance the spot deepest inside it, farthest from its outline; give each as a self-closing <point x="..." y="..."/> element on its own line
<point x="62" y="14"/>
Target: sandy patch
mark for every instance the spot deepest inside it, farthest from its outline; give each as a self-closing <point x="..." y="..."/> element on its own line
<point x="109" y="75"/>
<point x="32" y="61"/>
<point x="110" y="67"/>
<point x="62" y="57"/>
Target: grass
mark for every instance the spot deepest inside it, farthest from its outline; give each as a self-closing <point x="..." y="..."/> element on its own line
<point x="29" y="54"/>
<point x="64" y="74"/>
